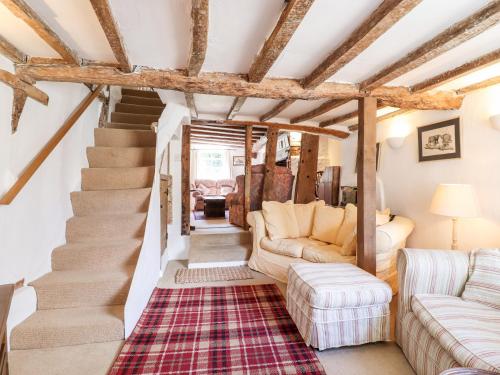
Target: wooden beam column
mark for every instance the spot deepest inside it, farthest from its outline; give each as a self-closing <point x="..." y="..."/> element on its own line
<point x="185" y="179"/>
<point x="272" y="140"/>
<point x="367" y="139"/>
<point x="305" y="188"/>
<point x="248" y="173"/>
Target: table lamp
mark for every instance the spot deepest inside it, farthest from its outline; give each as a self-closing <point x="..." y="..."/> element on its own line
<point x="455" y="201"/>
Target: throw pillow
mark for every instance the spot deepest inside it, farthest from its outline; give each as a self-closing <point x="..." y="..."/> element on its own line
<point x="204" y="190"/>
<point x="348" y="226"/>
<point x="326" y="224"/>
<point x="305" y="216"/>
<point x="280" y="220"/>
<point x="483" y="285"/>
<point x="350" y="245"/>
<point x="383" y="217"/>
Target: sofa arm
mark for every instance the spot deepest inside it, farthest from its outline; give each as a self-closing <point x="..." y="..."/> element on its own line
<point x="255" y="220"/>
<point x="392" y="236"/>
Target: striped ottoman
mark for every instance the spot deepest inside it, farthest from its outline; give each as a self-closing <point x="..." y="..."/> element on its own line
<point x="338" y="304"/>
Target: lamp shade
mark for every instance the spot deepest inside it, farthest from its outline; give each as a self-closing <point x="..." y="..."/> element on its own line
<point x="455" y="200"/>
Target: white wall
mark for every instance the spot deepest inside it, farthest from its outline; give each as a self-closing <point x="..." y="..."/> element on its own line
<point x="409" y="185"/>
<point x="34" y="223"/>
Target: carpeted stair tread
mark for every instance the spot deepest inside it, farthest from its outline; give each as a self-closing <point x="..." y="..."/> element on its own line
<point x="97" y="255"/>
<point x="131" y="99"/>
<point x="120" y="157"/>
<point x="78" y="288"/>
<point x="117" y="178"/>
<point x="134" y="118"/>
<point x="99" y="202"/>
<point x="137" y="108"/>
<point x="116" y="226"/>
<point x="127" y="126"/>
<point x="108" y="137"/>
<point x="61" y="327"/>
<point x="143" y="93"/>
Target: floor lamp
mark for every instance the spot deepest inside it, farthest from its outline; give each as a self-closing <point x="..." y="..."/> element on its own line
<point x="455" y="201"/>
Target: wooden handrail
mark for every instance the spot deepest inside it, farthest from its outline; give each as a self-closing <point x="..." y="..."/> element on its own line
<point x="33" y="166"/>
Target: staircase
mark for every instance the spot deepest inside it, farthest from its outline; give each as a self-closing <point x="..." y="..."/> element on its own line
<point x="82" y="300"/>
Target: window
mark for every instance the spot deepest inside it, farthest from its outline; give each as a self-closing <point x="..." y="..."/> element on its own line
<point x="212" y="164"/>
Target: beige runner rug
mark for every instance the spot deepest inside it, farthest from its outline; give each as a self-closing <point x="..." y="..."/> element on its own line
<point x="200" y="275"/>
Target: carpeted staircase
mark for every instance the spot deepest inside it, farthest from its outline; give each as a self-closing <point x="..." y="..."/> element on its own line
<point x="82" y="300"/>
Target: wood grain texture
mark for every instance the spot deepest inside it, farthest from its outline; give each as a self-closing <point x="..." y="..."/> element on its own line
<point x="235" y="85"/>
<point x="235" y="107"/>
<point x="280" y="107"/>
<point x="11" y="52"/>
<point x="18" y="102"/>
<point x="236" y="135"/>
<point x="455" y="35"/>
<point x="271" y="146"/>
<point x="185" y="180"/>
<point x="191" y="104"/>
<point x="367" y="202"/>
<point x="24" y="12"/>
<point x="256" y="131"/>
<point x="199" y="16"/>
<point x="38" y="160"/>
<point x="381" y="20"/>
<point x="323" y="108"/>
<point x="248" y="173"/>
<point x="305" y="188"/>
<point x="15" y="82"/>
<point x="105" y="16"/>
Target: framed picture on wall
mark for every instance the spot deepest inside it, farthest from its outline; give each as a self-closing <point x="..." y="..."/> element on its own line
<point x="439" y="141"/>
<point x="238" y="161"/>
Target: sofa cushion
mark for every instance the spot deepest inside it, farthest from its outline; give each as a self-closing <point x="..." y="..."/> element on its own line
<point x="350" y="245"/>
<point x="469" y="331"/>
<point x="383" y="217"/>
<point x="348" y="226"/>
<point x="291" y="247"/>
<point x="280" y="220"/>
<point x="327" y="221"/>
<point x="483" y="285"/>
<point x="305" y="216"/>
<point x="336" y="285"/>
<point x="326" y="254"/>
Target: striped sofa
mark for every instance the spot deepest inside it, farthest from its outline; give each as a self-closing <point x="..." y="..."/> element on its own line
<point x="449" y="309"/>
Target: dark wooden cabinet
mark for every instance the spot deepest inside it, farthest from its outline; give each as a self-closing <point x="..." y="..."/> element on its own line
<point x="329" y="185"/>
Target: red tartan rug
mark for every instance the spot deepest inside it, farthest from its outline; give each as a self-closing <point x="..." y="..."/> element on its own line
<point x="216" y="330"/>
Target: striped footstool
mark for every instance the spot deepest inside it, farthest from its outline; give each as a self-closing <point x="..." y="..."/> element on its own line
<point x="338" y="304"/>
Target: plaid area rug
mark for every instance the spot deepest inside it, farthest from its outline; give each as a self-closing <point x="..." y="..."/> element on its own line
<point x="216" y="330"/>
<point x="200" y="275"/>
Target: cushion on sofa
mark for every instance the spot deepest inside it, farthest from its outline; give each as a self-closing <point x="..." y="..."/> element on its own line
<point x="326" y="254"/>
<point x="280" y="220"/>
<point x="348" y="226"/>
<point x="483" y="285"/>
<point x="350" y="245"/>
<point x="291" y="247"/>
<point x="469" y="331"/>
<point x="327" y="221"/>
<point x="305" y="216"/>
<point x="383" y="217"/>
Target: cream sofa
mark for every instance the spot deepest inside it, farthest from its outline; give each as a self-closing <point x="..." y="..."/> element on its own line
<point x="273" y="256"/>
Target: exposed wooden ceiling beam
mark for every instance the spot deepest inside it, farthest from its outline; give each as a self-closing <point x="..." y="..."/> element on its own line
<point x="211" y="130"/>
<point x="219" y="138"/>
<point x="105" y="16"/>
<point x="11" y="52"/>
<point x="455" y="35"/>
<point x="191" y="104"/>
<point x="221" y="134"/>
<point x="280" y="107"/>
<point x="276" y="125"/>
<point x="235" y="129"/>
<point x="199" y="16"/>
<point x="384" y="117"/>
<point x="16" y="83"/>
<point x="323" y="108"/>
<point x="19" y="100"/>
<point x="382" y="19"/>
<point x="218" y="143"/>
<point x="234" y="85"/>
<point x="290" y="19"/>
<point x="480" y="85"/>
<point x="23" y="11"/>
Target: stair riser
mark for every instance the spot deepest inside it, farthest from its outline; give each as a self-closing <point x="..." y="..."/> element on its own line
<point x="141" y="101"/>
<point x="95" y="259"/>
<point x="124" y="138"/>
<point x="141" y="109"/>
<point x="107" y="157"/>
<point x="117" y="178"/>
<point x="125" y="126"/>
<point x="110" y="201"/>
<point x="141" y="93"/>
<point x="133" y="118"/>
<point x="87" y="228"/>
<point x="240" y="238"/>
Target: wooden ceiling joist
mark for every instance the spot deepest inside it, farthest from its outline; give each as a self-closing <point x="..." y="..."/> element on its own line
<point x="199" y="16"/>
<point x="221" y="134"/>
<point x="381" y="20"/>
<point x="323" y="108"/>
<point x="189" y="96"/>
<point x="11" y="52"/>
<point x="105" y="16"/>
<point x="280" y="107"/>
<point x="290" y="19"/>
<point x="15" y="82"/>
<point x="235" y="85"/>
<point x="24" y="12"/>
<point x="455" y="35"/>
<point x="233" y="129"/>
<point x="228" y="133"/>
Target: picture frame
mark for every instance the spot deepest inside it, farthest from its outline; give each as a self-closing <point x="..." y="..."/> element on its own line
<point x="439" y="141"/>
<point x="238" y="161"/>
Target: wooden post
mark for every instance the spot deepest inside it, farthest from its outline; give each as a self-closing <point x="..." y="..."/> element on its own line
<point x="248" y="172"/>
<point x="272" y="140"/>
<point x="185" y="177"/>
<point x="305" y="188"/>
<point x="367" y="138"/>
